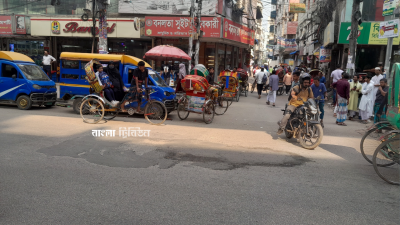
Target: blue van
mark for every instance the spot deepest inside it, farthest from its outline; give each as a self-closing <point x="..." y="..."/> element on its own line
<point x="24" y="83"/>
<point x="74" y="86"/>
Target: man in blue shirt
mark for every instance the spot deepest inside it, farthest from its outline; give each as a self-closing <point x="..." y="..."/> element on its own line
<point x="322" y="79"/>
<point x="319" y="90"/>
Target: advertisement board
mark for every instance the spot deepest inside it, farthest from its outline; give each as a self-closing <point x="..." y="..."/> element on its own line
<point x="368" y="34"/>
<point x="74" y="27"/>
<point x="170" y="7"/>
<point x="236" y="32"/>
<point x="388" y="7"/>
<point x="325" y="54"/>
<point x="297" y="8"/>
<point x="389" y="29"/>
<point x="180" y="26"/>
<point x="20" y="26"/>
<point x="5" y="25"/>
<point x="291" y="27"/>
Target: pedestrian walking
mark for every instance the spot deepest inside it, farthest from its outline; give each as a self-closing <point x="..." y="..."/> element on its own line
<point x="322" y="78"/>
<point x="355" y="90"/>
<point x="366" y="105"/>
<point x="47" y="60"/>
<point x="261" y="78"/>
<point x="287" y="81"/>
<point x="273" y="87"/>
<point x="377" y="82"/>
<point x="335" y="76"/>
<point x="181" y="76"/>
<point x="381" y="102"/>
<point x="343" y="94"/>
<point x="319" y="90"/>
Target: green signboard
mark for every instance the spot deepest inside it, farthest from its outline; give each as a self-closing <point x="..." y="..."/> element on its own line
<point x="368" y="34"/>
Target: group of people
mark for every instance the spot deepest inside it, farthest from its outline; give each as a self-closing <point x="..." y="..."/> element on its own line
<point x="366" y="96"/>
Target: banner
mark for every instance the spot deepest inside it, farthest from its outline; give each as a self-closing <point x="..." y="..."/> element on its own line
<point x="180" y="26"/>
<point x="388" y="7"/>
<point x="389" y="29"/>
<point x="325" y="54"/>
<point x="289" y="44"/>
<point x="103" y="34"/>
<point x="20" y="27"/>
<point x="5" y="25"/>
<point x="368" y="34"/>
<point x="297" y="8"/>
<point x="237" y="32"/>
<point x="170" y="7"/>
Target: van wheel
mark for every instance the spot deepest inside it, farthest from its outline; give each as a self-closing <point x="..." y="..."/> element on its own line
<point x="24" y="102"/>
<point x="77" y="105"/>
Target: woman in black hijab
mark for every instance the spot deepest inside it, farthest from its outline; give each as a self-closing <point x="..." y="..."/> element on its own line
<point x="116" y="79"/>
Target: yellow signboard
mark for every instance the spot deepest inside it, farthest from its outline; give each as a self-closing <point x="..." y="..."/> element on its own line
<point x="297" y="8"/>
<point x="374" y="36"/>
<point x="291" y="62"/>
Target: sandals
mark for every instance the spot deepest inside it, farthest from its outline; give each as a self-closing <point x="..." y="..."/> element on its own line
<point x="341" y="124"/>
<point x="267" y="103"/>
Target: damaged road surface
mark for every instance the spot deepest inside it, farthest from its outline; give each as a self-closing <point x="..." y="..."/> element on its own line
<point x="108" y="152"/>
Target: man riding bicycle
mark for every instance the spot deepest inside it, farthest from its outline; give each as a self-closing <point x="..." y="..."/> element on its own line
<point x="140" y="76"/>
<point x="299" y="94"/>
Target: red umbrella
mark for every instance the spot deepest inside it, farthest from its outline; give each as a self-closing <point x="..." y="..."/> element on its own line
<point x="166" y="53"/>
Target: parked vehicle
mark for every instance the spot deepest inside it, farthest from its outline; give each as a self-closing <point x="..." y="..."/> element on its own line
<point x="74" y="86"/>
<point x="24" y="83"/>
<point x="302" y="125"/>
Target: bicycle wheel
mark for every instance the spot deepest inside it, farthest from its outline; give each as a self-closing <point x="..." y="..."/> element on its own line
<point x="208" y="112"/>
<point x="221" y="105"/>
<point x="370" y="141"/>
<point x="92" y="110"/>
<point x="155" y="112"/>
<point x="183" y="113"/>
<point x="386" y="161"/>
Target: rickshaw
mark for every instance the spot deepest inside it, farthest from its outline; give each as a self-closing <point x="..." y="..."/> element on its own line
<point x="243" y="81"/>
<point x="200" y="98"/>
<point x="380" y="145"/>
<point x="230" y="82"/>
<point x="95" y="107"/>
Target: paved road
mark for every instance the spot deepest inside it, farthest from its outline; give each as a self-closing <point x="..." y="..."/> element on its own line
<point x="233" y="171"/>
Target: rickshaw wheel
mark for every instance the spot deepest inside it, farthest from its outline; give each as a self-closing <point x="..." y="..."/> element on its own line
<point x="208" y="112"/>
<point x="155" y="112"/>
<point x="221" y="105"/>
<point x="238" y="95"/>
<point x="246" y="90"/>
<point x="182" y="112"/>
<point x="92" y="110"/>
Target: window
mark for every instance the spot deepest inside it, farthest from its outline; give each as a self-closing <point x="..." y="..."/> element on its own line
<point x="70" y="76"/>
<point x="33" y="72"/>
<point x="8" y="70"/>
<point x="70" y="64"/>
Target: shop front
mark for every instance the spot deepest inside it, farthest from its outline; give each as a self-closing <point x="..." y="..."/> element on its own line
<point x="217" y="50"/>
<point x="74" y="35"/>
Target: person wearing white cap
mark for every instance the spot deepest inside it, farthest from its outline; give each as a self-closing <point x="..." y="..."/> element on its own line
<point x="376" y="81"/>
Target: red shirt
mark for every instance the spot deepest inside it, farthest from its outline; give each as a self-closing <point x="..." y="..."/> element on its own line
<point x="343" y="88"/>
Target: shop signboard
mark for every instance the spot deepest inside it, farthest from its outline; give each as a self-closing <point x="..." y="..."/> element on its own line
<point x="368" y="34"/>
<point x="291" y="27"/>
<point x="20" y="27"/>
<point x="166" y="7"/>
<point x="74" y="27"/>
<point x="389" y="29"/>
<point x="297" y="8"/>
<point x="388" y="7"/>
<point x="325" y="54"/>
<point x="5" y="25"/>
<point x="329" y="33"/>
<point x="180" y="26"/>
<point x="236" y="32"/>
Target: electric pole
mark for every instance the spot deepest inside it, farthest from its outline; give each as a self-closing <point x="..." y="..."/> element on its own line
<point x="94" y="23"/>
<point x="196" y="56"/>
<point x="354" y="33"/>
<point x="190" y="52"/>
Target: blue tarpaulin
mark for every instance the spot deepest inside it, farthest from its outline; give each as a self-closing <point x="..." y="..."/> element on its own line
<point x="292" y="53"/>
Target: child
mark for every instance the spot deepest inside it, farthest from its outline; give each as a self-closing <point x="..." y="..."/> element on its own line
<point x="105" y="82"/>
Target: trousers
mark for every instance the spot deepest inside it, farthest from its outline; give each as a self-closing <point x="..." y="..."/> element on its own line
<point x="259" y="88"/>
<point x="289" y="110"/>
<point x="271" y="97"/>
<point x="321" y="110"/>
<point x="109" y="94"/>
<point x="288" y="88"/>
<point x="47" y="70"/>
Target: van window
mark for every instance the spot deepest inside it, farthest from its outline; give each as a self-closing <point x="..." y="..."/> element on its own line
<point x="8" y="70"/>
<point x="33" y="72"/>
<point x="70" y="76"/>
<point x="70" y="64"/>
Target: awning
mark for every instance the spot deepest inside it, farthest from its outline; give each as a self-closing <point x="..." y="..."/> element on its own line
<point x="292" y="53"/>
<point x="314" y="42"/>
<point x="256" y="41"/>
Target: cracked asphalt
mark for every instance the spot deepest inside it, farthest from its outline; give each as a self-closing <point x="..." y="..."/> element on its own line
<point x="233" y="171"/>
